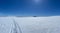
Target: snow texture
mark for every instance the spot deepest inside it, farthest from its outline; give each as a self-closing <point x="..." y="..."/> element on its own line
<point x="30" y="24"/>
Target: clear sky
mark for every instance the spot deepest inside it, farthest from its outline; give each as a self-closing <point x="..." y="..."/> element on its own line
<point x="30" y="7"/>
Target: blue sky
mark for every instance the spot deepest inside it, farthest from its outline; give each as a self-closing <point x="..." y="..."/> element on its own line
<point x="30" y="7"/>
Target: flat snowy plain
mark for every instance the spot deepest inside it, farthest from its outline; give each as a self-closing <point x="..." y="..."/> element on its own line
<point x="31" y="24"/>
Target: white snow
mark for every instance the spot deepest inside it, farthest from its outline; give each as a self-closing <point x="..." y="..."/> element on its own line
<point x="31" y="24"/>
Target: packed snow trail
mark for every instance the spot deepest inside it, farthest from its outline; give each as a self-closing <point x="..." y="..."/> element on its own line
<point x="16" y="28"/>
<point x="7" y="25"/>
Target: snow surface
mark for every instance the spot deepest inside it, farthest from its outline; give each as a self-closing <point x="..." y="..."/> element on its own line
<point x="31" y="24"/>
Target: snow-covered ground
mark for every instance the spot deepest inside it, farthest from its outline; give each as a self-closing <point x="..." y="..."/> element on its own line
<point x="31" y="24"/>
